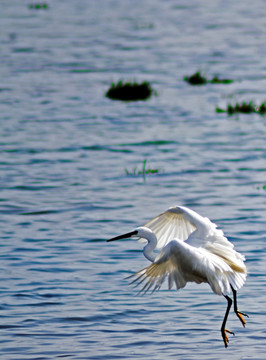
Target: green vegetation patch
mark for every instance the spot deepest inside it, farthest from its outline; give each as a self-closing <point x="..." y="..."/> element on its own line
<point x="196" y="79"/>
<point x="143" y="172"/>
<point x="216" y="80"/>
<point x="130" y="91"/>
<point x="244" y="108"/>
<point x="199" y="79"/>
<point x="39" y="6"/>
<point x="261" y="187"/>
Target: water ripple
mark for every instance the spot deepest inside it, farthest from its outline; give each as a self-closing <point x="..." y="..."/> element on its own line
<point x="64" y="189"/>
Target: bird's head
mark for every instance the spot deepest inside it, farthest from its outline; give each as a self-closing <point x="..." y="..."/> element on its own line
<point x="139" y="232"/>
<point x="144" y="234"/>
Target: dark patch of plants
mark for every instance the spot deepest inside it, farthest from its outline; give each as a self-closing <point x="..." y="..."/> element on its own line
<point x="130" y="91"/>
<point x="216" y="80"/>
<point x="199" y="79"/>
<point x="196" y="79"/>
<point x="244" y="108"/>
<point x="39" y="6"/>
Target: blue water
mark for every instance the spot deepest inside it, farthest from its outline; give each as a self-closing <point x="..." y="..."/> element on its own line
<point x="64" y="190"/>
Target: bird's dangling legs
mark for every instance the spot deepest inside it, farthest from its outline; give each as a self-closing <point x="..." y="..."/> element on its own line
<point x="238" y="313"/>
<point x="223" y="329"/>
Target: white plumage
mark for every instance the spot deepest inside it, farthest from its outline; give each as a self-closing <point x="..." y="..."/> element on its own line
<point x="186" y="247"/>
<point x="192" y="249"/>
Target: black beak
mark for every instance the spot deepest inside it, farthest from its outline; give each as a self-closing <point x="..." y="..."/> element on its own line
<point x="125" y="236"/>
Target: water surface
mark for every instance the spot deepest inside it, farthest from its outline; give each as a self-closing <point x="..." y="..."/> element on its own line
<point x="64" y="189"/>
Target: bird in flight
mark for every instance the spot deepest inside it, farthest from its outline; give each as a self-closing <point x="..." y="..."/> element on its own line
<point x="186" y="247"/>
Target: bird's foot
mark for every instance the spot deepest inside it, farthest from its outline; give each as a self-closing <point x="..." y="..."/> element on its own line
<point x="225" y="337"/>
<point x="240" y="317"/>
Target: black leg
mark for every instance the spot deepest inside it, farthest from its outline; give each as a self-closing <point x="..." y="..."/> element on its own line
<point x="223" y="329"/>
<point x="238" y="313"/>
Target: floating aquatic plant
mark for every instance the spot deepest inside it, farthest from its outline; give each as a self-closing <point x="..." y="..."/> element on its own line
<point x="262" y="187"/>
<point x="262" y="108"/>
<point x="216" y="80"/>
<point x="38" y="6"/>
<point x="144" y="171"/>
<point x="196" y="79"/>
<point x="244" y="107"/>
<point x="199" y="79"/>
<point x="130" y="91"/>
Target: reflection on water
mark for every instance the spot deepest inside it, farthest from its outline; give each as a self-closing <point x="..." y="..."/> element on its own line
<point x="64" y="189"/>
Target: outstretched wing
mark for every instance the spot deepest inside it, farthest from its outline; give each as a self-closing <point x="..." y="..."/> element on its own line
<point x="181" y="223"/>
<point x="167" y="264"/>
<point x="170" y="225"/>
<point x="181" y="263"/>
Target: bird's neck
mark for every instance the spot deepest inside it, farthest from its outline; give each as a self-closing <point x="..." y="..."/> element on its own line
<point x="148" y="250"/>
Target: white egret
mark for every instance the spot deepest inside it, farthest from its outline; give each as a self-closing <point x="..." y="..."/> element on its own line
<point x="190" y="248"/>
